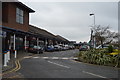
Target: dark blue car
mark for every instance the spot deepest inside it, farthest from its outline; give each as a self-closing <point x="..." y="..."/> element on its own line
<point x="50" y="48"/>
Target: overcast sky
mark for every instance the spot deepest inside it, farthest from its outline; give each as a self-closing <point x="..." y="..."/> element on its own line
<point x="71" y="19"/>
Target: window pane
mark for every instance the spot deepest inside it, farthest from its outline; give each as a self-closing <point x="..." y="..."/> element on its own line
<point x="21" y="12"/>
<point x="21" y="19"/>
<point x="19" y="15"/>
<point x="17" y="18"/>
<point x="17" y="11"/>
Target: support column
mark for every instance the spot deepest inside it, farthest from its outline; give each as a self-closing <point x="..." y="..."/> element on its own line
<point x="5" y="58"/>
<point x="9" y="51"/>
<point x="94" y="42"/>
<point x="46" y="42"/>
<point x="57" y="42"/>
<point x="38" y="44"/>
<point x="37" y="41"/>
<point x="14" y="47"/>
<point x="60" y="43"/>
<point x="25" y="43"/>
<point x="1" y="40"/>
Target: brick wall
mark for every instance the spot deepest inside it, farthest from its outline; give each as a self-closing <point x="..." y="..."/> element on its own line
<point x="9" y="16"/>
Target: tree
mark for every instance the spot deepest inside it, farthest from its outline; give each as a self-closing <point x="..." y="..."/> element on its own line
<point x="117" y="40"/>
<point x="103" y="35"/>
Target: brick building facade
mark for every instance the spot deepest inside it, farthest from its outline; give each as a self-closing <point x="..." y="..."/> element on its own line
<point x="16" y="10"/>
<point x="17" y="34"/>
<point x="15" y="27"/>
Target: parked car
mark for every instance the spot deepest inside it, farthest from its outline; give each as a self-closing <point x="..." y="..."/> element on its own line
<point x="100" y="46"/>
<point x="50" y="48"/>
<point x="66" y="47"/>
<point x="57" y="48"/>
<point x="35" y="49"/>
<point x="61" y="47"/>
<point x="83" y="48"/>
<point x="71" y="47"/>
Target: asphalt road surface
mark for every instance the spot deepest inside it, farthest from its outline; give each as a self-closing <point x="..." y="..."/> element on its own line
<point x="62" y="65"/>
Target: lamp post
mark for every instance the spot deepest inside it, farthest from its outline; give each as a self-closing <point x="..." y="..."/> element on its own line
<point x="94" y="18"/>
<point x="93" y="36"/>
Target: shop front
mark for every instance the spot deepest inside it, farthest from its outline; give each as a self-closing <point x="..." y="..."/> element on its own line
<point x="13" y="41"/>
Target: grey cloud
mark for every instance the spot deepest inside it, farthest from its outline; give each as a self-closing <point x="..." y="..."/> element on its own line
<point x="71" y="19"/>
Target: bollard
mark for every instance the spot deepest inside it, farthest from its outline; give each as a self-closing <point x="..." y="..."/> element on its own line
<point x="15" y="54"/>
<point x="5" y="58"/>
<point x="8" y="54"/>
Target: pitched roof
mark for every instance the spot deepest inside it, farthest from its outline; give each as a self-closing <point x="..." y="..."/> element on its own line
<point x="40" y="31"/>
<point x="18" y="3"/>
<point x="46" y="34"/>
<point x="26" y="7"/>
<point x="61" y="38"/>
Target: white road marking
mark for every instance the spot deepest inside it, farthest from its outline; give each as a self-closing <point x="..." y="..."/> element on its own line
<point x="75" y="58"/>
<point x="65" y="58"/>
<point x="36" y="57"/>
<point x="58" y="64"/>
<point x="28" y="57"/>
<point x="45" y="57"/>
<point x="55" y="57"/>
<point x="94" y="74"/>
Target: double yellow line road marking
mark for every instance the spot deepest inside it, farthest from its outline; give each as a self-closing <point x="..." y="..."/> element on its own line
<point x="18" y="66"/>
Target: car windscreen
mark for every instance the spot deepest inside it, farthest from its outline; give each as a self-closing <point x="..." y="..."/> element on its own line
<point x="37" y="47"/>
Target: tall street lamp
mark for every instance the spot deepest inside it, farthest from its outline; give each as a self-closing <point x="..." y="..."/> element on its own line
<point x="93" y="36"/>
<point x="94" y="18"/>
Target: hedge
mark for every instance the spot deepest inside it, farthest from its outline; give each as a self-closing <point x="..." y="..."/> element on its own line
<point x="99" y="57"/>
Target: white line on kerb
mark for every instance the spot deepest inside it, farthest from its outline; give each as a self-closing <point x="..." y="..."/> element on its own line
<point x="58" y="64"/>
<point x="94" y="74"/>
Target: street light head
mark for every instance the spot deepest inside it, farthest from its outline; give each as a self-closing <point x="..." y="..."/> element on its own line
<point x="91" y="14"/>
